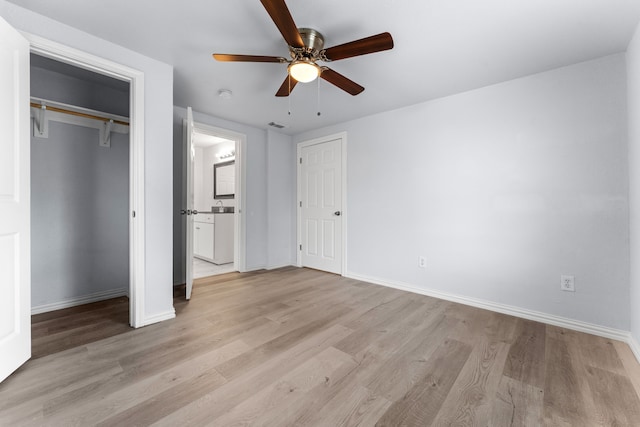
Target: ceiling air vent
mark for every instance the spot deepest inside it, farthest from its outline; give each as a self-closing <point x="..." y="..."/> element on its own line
<point x="276" y="125"/>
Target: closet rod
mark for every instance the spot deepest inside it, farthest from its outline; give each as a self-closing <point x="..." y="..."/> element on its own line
<point x="75" y="113"/>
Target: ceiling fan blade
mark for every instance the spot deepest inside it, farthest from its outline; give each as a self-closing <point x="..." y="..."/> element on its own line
<point x="281" y="16"/>
<point x="341" y="81"/>
<point x="247" y="58"/>
<point x="287" y="86"/>
<point x="377" y="43"/>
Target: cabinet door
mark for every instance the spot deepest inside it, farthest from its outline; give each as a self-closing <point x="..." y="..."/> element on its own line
<point x="204" y="240"/>
<point x="196" y="239"/>
<point x="223" y="239"/>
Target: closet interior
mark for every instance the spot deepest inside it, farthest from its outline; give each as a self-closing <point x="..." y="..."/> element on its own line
<point x="80" y="172"/>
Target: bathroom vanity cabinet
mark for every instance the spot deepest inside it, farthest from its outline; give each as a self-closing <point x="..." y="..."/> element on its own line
<point x="203" y="236"/>
<point x="213" y="237"/>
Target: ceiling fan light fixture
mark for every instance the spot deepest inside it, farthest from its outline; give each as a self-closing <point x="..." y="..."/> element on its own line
<point x="304" y="70"/>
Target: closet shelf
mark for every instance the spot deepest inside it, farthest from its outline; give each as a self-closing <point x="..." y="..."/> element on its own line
<point x="42" y="111"/>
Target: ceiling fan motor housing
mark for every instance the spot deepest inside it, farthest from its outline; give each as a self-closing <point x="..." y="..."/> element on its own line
<point x="313" y="41"/>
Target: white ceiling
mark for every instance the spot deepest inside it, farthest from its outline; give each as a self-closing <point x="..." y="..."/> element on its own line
<point x="442" y="47"/>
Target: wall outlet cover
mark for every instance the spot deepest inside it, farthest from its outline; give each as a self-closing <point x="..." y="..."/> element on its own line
<point x="422" y="262"/>
<point x="567" y="283"/>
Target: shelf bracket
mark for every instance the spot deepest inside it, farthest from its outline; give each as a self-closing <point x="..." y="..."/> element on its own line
<point x="105" y="134"/>
<point x="41" y="123"/>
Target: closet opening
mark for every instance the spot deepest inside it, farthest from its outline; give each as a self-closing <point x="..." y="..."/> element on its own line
<point x="81" y="176"/>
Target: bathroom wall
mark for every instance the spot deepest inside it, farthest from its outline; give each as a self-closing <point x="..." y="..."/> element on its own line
<point x="205" y="158"/>
<point x="211" y="158"/>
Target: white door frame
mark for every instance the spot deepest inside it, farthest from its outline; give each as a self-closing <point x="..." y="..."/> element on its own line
<point x="135" y="78"/>
<point x="239" y="220"/>
<point x="342" y="136"/>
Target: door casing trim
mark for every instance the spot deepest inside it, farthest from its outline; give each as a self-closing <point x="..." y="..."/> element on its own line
<point x="342" y="136"/>
<point x="135" y="78"/>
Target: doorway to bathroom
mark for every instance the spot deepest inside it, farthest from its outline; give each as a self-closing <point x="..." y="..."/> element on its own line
<point x="214" y="204"/>
<point x="214" y="201"/>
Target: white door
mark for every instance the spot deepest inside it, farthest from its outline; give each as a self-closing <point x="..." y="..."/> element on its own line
<point x="190" y="201"/>
<point x="321" y="206"/>
<point x="15" y="279"/>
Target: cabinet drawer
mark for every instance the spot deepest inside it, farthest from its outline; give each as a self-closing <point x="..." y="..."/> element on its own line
<point x="208" y="218"/>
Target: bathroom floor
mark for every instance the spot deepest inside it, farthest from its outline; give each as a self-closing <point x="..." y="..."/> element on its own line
<point x="203" y="268"/>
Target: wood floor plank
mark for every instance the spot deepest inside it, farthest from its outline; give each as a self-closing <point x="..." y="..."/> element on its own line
<point x="301" y="347"/>
<point x="140" y="366"/>
<point x="525" y="362"/>
<point x="614" y="397"/>
<point x="599" y="352"/>
<point x="270" y="405"/>
<point x="631" y="365"/>
<point x="517" y="405"/>
<point x="416" y="313"/>
<point x="168" y="401"/>
<point x="213" y="405"/>
<point x="563" y="402"/>
<point x="353" y="405"/>
<point x="152" y="391"/>
<point x="400" y="373"/>
<point x="472" y="397"/>
<point x="400" y="336"/>
<point x="258" y="355"/>
<point x="419" y="406"/>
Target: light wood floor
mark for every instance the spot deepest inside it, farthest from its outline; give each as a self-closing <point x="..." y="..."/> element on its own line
<point x="301" y="347"/>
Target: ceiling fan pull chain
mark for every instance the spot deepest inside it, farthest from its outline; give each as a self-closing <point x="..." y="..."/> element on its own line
<point x="289" y="97"/>
<point x="318" y="103"/>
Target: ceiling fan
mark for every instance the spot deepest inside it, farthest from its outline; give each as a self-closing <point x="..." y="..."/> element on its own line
<point x="306" y="47"/>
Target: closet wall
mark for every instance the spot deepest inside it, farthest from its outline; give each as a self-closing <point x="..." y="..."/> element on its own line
<point x="79" y="193"/>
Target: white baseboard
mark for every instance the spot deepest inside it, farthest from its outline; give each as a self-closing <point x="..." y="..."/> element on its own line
<point x="85" y="299"/>
<point x="635" y="347"/>
<point x="150" y="320"/>
<point x="537" y="316"/>
<point x="274" y="267"/>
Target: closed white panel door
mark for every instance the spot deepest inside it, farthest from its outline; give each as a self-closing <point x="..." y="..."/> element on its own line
<point x="191" y="153"/>
<point x="321" y="210"/>
<point x="15" y="279"/>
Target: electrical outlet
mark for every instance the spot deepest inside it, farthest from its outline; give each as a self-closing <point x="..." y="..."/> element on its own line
<point x="422" y="262"/>
<point x="567" y="283"/>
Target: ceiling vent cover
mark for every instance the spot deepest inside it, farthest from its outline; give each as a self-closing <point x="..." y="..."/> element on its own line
<point x="276" y="125"/>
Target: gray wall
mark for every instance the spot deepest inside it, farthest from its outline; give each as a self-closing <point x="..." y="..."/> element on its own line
<point x="53" y="85"/>
<point x="503" y="189"/>
<point x="79" y="198"/>
<point x="281" y="198"/>
<point x="633" y="83"/>
<point x="158" y="101"/>
<point x="269" y="196"/>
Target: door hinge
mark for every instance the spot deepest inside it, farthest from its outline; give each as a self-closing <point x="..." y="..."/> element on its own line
<point x="300" y="160"/>
<point x="300" y="203"/>
<point x="133" y="214"/>
<point x="300" y="247"/>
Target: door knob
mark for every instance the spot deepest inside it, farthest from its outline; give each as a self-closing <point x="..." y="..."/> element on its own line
<point x="337" y="213"/>
<point x="195" y="212"/>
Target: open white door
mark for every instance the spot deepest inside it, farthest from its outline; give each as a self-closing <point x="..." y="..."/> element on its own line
<point x="190" y="201"/>
<point x="15" y="277"/>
